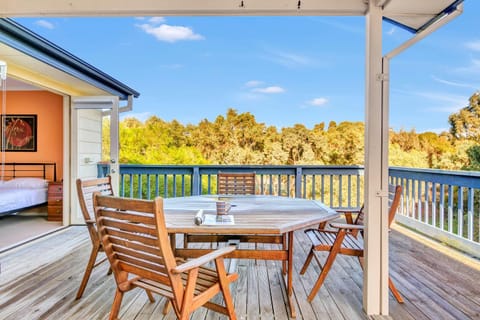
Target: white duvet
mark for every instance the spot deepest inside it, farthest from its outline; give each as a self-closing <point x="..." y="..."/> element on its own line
<point x="13" y="199"/>
<point x="22" y="193"/>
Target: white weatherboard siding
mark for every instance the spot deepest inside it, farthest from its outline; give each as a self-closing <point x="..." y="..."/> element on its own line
<point x="87" y="139"/>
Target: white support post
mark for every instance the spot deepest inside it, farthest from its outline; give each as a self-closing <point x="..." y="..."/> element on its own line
<point x="375" y="297"/>
<point x="114" y="145"/>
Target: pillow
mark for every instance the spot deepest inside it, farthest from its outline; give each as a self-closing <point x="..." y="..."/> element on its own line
<point x="26" y="183"/>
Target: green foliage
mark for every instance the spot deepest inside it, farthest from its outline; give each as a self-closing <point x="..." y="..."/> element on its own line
<point x="465" y="124"/>
<point x="473" y="154"/>
<point x="237" y="138"/>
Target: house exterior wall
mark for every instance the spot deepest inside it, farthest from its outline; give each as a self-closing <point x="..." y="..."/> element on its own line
<point x="86" y="151"/>
<point x="48" y="107"/>
<point x="89" y="141"/>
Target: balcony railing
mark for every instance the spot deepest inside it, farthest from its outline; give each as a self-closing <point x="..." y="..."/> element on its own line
<point x="442" y="204"/>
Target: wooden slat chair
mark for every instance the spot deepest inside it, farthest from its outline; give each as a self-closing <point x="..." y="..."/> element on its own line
<point x="239" y="183"/>
<point x="85" y="190"/>
<point x="228" y="183"/>
<point x="344" y="240"/>
<point x="135" y="239"/>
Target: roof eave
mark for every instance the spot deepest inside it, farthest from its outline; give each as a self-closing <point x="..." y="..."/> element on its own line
<point x="28" y="42"/>
<point x="445" y="12"/>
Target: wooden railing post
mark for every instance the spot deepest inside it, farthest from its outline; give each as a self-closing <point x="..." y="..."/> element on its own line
<point x="298" y="182"/>
<point x="196" y="185"/>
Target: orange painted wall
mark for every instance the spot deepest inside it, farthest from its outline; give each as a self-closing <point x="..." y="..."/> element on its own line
<point x="48" y="107"/>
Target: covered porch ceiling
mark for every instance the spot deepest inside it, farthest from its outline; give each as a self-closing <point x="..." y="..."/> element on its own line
<point x="28" y="73"/>
<point x="413" y="15"/>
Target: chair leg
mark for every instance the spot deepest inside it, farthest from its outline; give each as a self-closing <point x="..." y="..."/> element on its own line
<point x="88" y="271"/>
<point x="225" y="288"/>
<point x="323" y="275"/>
<point x="150" y="296"/>
<point x="394" y="290"/>
<point x="166" y="307"/>
<point x="185" y="309"/>
<point x="307" y="261"/>
<point x="392" y="287"/>
<point x="337" y="244"/>
<point x="117" y="301"/>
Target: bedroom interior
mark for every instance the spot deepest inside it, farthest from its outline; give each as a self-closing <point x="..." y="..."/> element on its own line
<point x="31" y="162"/>
<point x="58" y="102"/>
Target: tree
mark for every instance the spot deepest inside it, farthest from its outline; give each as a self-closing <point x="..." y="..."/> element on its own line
<point x="345" y="143"/>
<point x="437" y="147"/>
<point x="473" y="158"/>
<point x="406" y="140"/>
<point x="466" y="123"/>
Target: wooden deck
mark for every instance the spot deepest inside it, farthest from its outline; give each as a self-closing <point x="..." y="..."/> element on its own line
<point x="39" y="281"/>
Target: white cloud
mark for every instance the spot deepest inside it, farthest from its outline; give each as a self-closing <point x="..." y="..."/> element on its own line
<point x="391" y="31"/>
<point x="152" y="20"/>
<point x="271" y="89"/>
<point x="476" y="63"/>
<point x="168" y="33"/>
<point x="318" y="102"/>
<point x="455" y="84"/>
<point x="253" y="83"/>
<point x="290" y="59"/>
<point x="445" y="97"/>
<point x="447" y="103"/>
<point x="473" y="45"/>
<point x="156" y="20"/>
<point x="439" y="101"/>
<point x="472" y="68"/>
<point x="45" y="24"/>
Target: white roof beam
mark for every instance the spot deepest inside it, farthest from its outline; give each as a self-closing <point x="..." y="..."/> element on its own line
<point x="15" y="8"/>
<point x="424" y="33"/>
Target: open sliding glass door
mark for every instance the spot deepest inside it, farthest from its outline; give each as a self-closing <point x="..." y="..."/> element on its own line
<point x="88" y="138"/>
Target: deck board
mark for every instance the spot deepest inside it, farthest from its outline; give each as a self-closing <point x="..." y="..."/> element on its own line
<point x="39" y="281"/>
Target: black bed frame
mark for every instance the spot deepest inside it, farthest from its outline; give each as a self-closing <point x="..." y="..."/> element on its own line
<point x="45" y="170"/>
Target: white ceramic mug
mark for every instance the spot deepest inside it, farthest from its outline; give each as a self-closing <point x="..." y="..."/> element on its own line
<point x="223" y="207"/>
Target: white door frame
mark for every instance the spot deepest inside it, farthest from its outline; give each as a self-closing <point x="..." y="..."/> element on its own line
<point x="108" y="105"/>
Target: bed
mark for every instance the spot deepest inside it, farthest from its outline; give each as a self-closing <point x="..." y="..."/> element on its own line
<point x="25" y="185"/>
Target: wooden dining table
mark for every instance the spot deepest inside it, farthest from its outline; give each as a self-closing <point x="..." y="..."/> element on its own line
<point x="257" y="219"/>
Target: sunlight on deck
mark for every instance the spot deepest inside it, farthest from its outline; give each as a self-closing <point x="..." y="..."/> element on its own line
<point x="39" y="281"/>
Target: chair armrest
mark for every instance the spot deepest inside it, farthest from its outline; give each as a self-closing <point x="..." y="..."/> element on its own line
<point x="348" y="210"/>
<point x="90" y="221"/>
<point x="197" y="262"/>
<point x="347" y="226"/>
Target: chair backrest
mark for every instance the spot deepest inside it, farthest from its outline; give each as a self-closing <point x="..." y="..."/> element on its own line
<point x="242" y="183"/>
<point x="85" y="190"/>
<point x="394" y="196"/>
<point x="135" y="239"/>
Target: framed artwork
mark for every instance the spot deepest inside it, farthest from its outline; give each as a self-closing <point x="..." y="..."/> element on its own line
<point x="19" y="132"/>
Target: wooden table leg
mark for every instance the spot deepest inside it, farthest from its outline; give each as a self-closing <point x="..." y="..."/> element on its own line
<point x="293" y="313"/>
<point x="173" y="242"/>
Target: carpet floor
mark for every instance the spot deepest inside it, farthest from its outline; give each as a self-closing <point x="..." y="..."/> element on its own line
<point x="23" y="227"/>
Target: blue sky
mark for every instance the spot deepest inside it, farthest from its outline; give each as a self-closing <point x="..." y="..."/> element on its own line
<point x="284" y="70"/>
